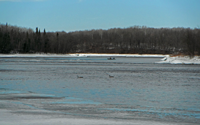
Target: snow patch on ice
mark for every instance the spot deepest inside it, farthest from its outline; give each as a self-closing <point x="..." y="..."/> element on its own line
<point x="180" y="60"/>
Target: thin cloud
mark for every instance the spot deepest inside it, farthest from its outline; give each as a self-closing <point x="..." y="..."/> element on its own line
<point x="80" y="1"/>
<point x="21" y="0"/>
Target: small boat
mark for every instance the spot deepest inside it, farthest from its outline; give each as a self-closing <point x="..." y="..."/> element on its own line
<point x="111" y="58"/>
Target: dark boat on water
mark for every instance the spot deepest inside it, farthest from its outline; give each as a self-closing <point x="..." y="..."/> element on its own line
<point x="111" y="58"/>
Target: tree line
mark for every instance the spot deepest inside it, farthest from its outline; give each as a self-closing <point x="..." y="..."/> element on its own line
<point x="133" y="40"/>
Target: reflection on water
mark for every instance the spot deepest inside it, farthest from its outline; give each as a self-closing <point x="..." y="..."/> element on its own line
<point x="139" y="87"/>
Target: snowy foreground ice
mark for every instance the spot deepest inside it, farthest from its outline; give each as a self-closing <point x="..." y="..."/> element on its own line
<point x="8" y="118"/>
<point x="166" y="58"/>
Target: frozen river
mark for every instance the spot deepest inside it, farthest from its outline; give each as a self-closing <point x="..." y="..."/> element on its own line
<point x="94" y="87"/>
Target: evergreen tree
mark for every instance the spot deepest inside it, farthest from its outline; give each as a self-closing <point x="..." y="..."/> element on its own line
<point x="6" y="46"/>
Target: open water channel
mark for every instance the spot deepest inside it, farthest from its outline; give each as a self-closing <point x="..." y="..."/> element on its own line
<point x="95" y="87"/>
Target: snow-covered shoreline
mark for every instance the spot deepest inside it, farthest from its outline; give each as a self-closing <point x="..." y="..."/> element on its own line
<point x="180" y="60"/>
<point x="166" y="59"/>
<point x="83" y="55"/>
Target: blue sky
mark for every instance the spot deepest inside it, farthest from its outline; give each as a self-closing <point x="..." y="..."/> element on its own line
<point x="72" y="15"/>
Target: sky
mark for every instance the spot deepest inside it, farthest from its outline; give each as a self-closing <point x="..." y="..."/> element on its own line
<point x="76" y="15"/>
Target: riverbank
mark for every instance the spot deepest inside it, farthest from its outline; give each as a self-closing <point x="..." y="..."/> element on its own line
<point x="180" y="60"/>
<point x="167" y="59"/>
<point x="84" y="55"/>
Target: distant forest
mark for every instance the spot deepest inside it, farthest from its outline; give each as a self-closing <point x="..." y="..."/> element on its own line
<point x="133" y="40"/>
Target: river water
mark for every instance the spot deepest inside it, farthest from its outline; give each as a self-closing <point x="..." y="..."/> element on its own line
<point x="124" y="88"/>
